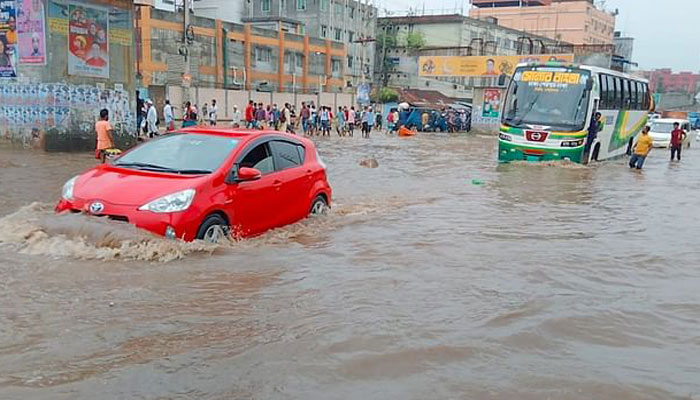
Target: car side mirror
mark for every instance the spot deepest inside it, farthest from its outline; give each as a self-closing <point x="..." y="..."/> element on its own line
<point x="589" y="85"/>
<point x="248" y="174"/>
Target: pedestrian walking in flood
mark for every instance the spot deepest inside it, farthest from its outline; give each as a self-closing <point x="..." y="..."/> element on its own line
<point x="168" y="117"/>
<point x="678" y="136"/>
<point x="105" y="140"/>
<point x="250" y="115"/>
<point x="641" y="149"/>
<point x="151" y="119"/>
<point x="236" y="117"/>
<point x="368" y="119"/>
<point x="213" y="110"/>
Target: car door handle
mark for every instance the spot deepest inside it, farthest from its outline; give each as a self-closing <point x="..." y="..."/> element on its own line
<point x="277" y="184"/>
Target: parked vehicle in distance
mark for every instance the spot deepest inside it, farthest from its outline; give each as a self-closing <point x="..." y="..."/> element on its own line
<point x="661" y="131"/>
<point x="204" y="182"/>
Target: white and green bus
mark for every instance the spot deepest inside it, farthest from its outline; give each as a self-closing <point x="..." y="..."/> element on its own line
<point x="548" y="110"/>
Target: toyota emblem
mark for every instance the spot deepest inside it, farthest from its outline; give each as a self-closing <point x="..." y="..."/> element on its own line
<point x="96" y="207"/>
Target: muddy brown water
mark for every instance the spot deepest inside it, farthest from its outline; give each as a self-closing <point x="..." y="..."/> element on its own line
<point x="438" y="275"/>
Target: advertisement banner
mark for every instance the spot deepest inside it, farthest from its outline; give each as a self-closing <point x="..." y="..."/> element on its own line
<point x="32" y="38"/>
<point x="88" y="44"/>
<point x="481" y="65"/>
<point x="492" y="103"/>
<point x="8" y="39"/>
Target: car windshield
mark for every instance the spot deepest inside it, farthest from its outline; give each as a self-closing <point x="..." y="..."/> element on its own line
<point x="553" y="97"/>
<point x="180" y="153"/>
<point x="662" y="127"/>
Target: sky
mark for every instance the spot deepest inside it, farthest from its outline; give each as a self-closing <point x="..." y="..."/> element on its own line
<point x="666" y="32"/>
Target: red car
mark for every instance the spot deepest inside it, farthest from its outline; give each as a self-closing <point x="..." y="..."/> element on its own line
<point x="200" y="183"/>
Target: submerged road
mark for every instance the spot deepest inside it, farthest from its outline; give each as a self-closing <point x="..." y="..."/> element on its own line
<point x="438" y="275"/>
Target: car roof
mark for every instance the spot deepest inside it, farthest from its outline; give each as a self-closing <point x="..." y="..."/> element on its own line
<point x="671" y="120"/>
<point x="239" y="133"/>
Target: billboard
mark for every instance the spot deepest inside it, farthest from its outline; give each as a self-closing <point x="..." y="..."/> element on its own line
<point x="88" y="44"/>
<point x="481" y="65"/>
<point x="8" y="39"/>
<point x="492" y="103"/>
<point x="32" y="40"/>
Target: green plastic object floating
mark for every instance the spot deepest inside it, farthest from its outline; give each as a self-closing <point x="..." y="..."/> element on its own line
<point x="477" y="182"/>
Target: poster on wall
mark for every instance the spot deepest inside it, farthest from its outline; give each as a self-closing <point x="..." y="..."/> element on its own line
<point x="492" y="103"/>
<point x="30" y="26"/>
<point x="88" y="44"/>
<point x="8" y="39"/>
<point x="482" y="65"/>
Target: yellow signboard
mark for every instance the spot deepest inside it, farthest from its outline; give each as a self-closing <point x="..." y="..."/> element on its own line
<point x="481" y="65"/>
<point x="551" y="77"/>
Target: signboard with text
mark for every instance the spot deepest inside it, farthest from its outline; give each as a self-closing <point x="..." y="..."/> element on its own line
<point x="482" y="65"/>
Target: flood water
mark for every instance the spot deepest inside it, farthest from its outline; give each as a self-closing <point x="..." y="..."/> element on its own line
<point x="438" y="275"/>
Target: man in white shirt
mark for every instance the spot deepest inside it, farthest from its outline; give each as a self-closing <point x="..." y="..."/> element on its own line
<point x="168" y="117"/>
<point x="212" y="113"/>
<point x="236" y="117"/>
<point x="151" y="119"/>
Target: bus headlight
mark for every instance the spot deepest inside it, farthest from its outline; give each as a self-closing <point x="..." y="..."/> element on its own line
<point x="572" y="143"/>
<point x="505" y="137"/>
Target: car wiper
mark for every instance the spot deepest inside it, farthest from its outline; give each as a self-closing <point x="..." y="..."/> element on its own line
<point x="192" y="171"/>
<point x="143" y="165"/>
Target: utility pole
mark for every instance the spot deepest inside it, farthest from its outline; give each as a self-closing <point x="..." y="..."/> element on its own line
<point x="186" y="76"/>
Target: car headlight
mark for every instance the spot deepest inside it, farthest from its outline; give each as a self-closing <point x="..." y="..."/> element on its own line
<point x="67" y="191"/>
<point x="174" y="202"/>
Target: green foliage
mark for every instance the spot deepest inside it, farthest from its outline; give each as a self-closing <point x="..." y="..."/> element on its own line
<point x="415" y="41"/>
<point x="385" y="95"/>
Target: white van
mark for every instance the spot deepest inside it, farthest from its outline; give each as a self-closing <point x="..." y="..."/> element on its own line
<point x="661" y="131"/>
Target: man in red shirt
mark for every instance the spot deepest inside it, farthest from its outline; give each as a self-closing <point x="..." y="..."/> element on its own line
<point x="250" y="115"/>
<point x="677" y="138"/>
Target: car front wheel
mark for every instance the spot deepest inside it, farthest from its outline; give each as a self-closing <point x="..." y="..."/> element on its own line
<point x="319" y="206"/>
<point x="213" y="230"/>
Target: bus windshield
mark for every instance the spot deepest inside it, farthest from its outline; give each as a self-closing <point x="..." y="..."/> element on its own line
<point x="553" y="97"/>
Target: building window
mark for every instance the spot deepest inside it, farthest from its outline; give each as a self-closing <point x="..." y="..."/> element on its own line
<point x="349" y="61"/>
<point x="351" y="36"/>
<point x="263" y="55"/>
<point x="302" y="30"/>
<point x="324" y="5"/>
<point x="335" y="66"/>
<point x="324" y="31"/>
<point x="352" y="12"/>
<point x="265" y="5"/>
<point x="301" y="5"/>
<point x="338" y="34"/>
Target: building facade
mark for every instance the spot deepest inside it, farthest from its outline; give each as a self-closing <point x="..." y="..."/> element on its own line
<point x="350" y="22"/>
<point x="572" y="21"/>
<point x="448" y="35"/>
<point x="666" y="81"/>
<point x="624" y="51"/>
<point x="225" y="10"/>
<point x="69" y="60"/>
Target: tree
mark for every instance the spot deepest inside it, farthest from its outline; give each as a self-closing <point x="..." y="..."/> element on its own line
<point x="415" y="41"/>
<point x="385" y="95"/>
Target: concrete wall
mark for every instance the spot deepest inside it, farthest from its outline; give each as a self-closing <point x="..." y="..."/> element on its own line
<point x="46" y="108"/>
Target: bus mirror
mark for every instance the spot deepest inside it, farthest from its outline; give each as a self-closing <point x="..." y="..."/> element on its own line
<point x="589" y="84"/>
<point x="502" y="80"/>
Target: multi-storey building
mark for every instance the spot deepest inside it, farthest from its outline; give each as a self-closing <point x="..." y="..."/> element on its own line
<point x="573" y="21"/>
<point x="449" y="35"/>
<point x="350" y="22"/>
<point x="665" y="81"/>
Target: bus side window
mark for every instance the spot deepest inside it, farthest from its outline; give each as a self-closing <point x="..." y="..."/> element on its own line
<point x="603" y="92"/>
<point x="619" y="94"/>
<point x="634" y="104"/>
<point x="612" y="93"/>
<point x="647" y="96"/>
